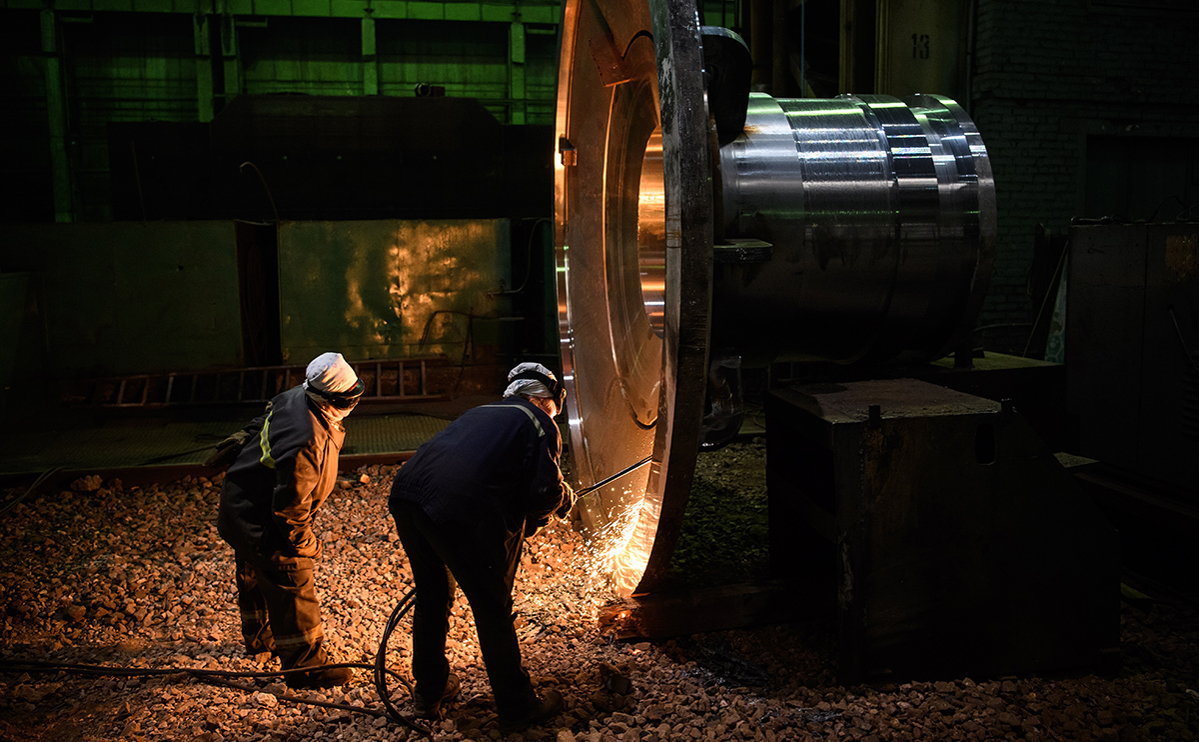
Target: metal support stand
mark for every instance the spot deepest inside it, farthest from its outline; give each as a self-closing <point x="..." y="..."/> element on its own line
<point x="955" y="542"/>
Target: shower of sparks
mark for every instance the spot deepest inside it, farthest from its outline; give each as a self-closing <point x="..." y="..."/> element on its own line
<point x="581" y="577"/>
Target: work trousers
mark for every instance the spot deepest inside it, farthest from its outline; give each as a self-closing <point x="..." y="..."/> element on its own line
<point x="482" y="560"/>
<point x="280" y="612"/>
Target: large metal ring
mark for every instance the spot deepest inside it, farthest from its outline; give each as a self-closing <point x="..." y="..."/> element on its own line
<point x="851" y="229"/>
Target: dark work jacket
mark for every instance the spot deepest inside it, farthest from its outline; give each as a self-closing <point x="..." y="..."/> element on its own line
<point x="496" y="464"/>
<point x="279" y="480"/>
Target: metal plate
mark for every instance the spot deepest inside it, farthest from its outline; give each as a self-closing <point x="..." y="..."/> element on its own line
<point x="392" y="288"/>
<point x="873" y="221"/>
<point x="634" y="243"/>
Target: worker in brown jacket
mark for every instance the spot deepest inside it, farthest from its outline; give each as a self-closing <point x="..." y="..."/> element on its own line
<point x="281" y="476"/>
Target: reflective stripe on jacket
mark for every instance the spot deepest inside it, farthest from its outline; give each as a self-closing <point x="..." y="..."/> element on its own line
<point x="280" y="479"/>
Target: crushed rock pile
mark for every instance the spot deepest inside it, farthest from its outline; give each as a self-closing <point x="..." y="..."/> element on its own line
<point x="137" y="577"/>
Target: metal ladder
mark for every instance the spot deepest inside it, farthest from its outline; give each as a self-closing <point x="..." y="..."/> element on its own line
<point x="394" y="380"/>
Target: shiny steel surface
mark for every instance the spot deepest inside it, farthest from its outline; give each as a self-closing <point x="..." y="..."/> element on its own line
<point x="882" y="219"/>
<point x="863" y="225"/>
<point x="633" y="215"/>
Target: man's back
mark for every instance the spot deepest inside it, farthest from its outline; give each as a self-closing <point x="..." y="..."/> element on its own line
<point x="495" y="461"/>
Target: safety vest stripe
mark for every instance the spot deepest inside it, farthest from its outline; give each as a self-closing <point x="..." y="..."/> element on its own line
<point x="265" y="442"/>
<point x="522" y="408"/>
<point x="298" y="640"/>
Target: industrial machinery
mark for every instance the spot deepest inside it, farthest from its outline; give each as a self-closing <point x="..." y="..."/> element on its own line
<point x="1132" y="386"/>
<point x="702" y="228"/>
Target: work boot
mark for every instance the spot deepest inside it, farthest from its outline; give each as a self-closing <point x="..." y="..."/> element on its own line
<point x="255" y="650"/>
<point x="257" y="637"/>
<point x="430" y="708"/>
<point x="544" y="707"/>
<point x="325" y="677"/>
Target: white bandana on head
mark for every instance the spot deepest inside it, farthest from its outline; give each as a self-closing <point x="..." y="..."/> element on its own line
<point x="331" y="374"/>
<point x="529" y="387"/>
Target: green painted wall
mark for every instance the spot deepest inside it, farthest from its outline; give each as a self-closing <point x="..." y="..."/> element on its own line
<point x="75" y="66"/>
<point x="131" y="298"/>
<point x="22" y="344"/>
<point x="97" y="300"/>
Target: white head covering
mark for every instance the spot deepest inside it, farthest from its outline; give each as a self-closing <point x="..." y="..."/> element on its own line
<point x="329" y="372"/>
<point x="529" y="387"/>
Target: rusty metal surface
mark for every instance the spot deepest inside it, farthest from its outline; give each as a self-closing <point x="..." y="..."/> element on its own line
<point x="955" y="542"/>
<point x="393" y="288"/>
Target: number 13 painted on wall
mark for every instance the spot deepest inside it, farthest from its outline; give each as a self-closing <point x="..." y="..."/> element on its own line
<point x="920" y="46"/>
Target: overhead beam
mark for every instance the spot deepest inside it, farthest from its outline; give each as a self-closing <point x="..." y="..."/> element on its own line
<point x="204" y="83"/>
<point x="516" y="70"/>
<point x="56" y="119"/>
<point x="370" y="66"/>
<point x="379" y="9"/>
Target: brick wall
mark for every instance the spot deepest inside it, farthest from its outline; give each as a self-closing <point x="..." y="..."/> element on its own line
<point x="1045" y="76"/>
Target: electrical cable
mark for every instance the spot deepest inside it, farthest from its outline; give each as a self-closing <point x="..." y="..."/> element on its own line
<point x="265" y="188"/>
<point x="1182" y="341"/>
<point x="1054" y="280"/>
<point x="380" y="666"/>
<point x="1153" y="217"/>
<point x="222" y="677"/>
<point x="41" y="478"/>
<point x="1000" y="326"/>
<point x="528" y="261"/>
<point x="169" y="456"/>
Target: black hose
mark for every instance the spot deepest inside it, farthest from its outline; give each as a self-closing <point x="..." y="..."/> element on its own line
<point x="216" y="677"/>
<point x="380" y="667"/>
<point x="220" y="677"/>
<point x="1186" y="351"/>
<point x="41" y="478"/>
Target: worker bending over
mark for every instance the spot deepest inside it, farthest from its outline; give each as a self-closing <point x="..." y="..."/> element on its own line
<point x="286" y="469"/>
<point x="463" y="505"/>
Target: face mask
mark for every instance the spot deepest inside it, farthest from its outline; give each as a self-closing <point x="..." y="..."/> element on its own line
<point x="334" y="412"/>
<point x="337" y="414"/>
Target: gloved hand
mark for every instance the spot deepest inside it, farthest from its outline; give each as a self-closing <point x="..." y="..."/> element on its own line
<point x="569" y="498"/>
<point x="227" y="450"/>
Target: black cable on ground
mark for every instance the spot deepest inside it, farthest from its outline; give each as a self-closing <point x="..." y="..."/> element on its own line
<point x="380" y="668"/>
<point x="221" y="677"/>
<point x="36" y="483"/>
<point x="24" y="665"/>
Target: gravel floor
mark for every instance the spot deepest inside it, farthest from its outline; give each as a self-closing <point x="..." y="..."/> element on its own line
<point x="139" y="578"/>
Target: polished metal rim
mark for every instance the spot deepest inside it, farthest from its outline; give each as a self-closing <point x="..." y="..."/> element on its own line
<point x="855" y="229"/>
<point x="633" y="202"/>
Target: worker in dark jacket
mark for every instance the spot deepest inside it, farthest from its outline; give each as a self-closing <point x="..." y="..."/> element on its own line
<point x="271" y="492"/>
<point x="463" y="505"/>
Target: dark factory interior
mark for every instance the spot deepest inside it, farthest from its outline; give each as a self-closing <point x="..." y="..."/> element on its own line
<point x="922" y="275"/>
